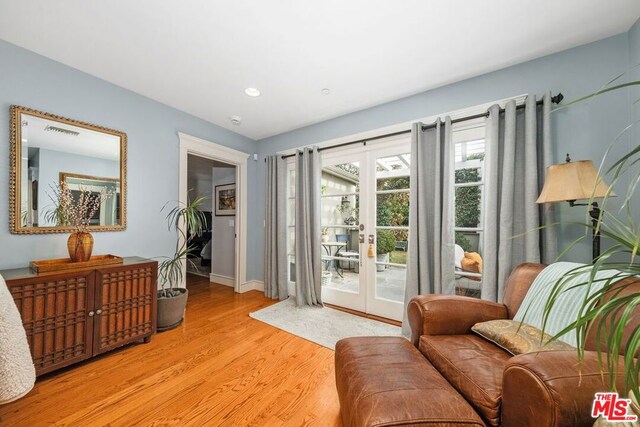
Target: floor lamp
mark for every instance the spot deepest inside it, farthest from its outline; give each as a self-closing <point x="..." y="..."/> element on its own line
<point x="571" y="181"/>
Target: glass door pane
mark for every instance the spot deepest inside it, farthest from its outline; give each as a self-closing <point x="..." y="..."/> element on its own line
<point x="340" y="218"/>
<point x="392" y="231"/>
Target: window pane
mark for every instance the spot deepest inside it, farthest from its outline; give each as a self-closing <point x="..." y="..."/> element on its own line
<point x="349" y="281"/>
<point x="469" y="241"/>
<point x="469" y="158"/>
<point x="468" y="205"/>
<point x="340" y="179"/>
<point x="466" y="175"/>
<point x="399" y="162"/>
<point x="467" y="265"/>
<point x="340" y="210"/>
<point x="291" y="214"/>
<point x="399" y="183"/>
<point x="292" y="240"/>
<point x="469" y="150"/>
<point x="394" y="243"/>
<point x="391" y="247"/>
<point x="292" y="269"/>
<point x="292" y="183"/>
<point x="392" y="173"/>
<point x="392" y="209"/>
<point x="390" y="282"/>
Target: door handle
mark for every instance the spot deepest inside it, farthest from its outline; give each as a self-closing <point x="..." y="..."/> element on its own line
<point x="98" y="311"/>
<point x="91" y="313"/>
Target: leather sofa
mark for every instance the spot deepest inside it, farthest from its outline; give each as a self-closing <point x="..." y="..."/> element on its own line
<point x="448" y="376"/>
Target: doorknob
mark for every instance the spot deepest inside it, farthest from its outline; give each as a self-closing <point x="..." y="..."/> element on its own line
<point x="91" y="313"/>
<point x="98" y="311"/>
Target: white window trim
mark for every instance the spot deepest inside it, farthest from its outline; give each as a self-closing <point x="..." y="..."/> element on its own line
<point x="399" y="127"/>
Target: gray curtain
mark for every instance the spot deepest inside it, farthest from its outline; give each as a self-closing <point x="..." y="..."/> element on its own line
<point x="275" y="245"/>
<point x="307" y="226"/>
<point x="518" y="150"/>
<point x="430" y="263"/>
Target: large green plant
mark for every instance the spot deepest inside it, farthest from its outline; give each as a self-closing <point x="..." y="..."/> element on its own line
<point x="611" y="309"/>
<point x="170" y="269"/>
<point x="386" y="242"/>
<point x="467" y="198"/>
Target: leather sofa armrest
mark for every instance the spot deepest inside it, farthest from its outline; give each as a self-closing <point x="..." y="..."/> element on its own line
<point x="552" y="388"/>
<point x="449" y="314"/>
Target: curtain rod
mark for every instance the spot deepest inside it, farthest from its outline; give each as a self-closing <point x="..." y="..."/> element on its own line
<point x="554" y="99"/>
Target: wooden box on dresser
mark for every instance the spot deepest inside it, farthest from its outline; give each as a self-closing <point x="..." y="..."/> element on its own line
<point x="78" y="314"/>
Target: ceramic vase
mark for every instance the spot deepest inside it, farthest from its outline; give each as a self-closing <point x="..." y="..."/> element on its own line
<point x="80" y="246"/>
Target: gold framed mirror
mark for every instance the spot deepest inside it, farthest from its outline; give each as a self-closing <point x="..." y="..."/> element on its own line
<point x="47" y="150"/>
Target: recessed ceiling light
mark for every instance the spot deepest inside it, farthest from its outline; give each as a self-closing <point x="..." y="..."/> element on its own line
<point x="325" y="91"/>
<point x="252" y="91"/>
<point x="236" y="120"/>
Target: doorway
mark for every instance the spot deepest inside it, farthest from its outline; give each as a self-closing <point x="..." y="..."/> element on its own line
<point x="365" y="226"/>
<point x="213" y="253"/>
<point x="190" y="145"/>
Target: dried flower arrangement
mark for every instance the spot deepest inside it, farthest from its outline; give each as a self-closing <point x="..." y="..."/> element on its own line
<point x="74" y="211"/>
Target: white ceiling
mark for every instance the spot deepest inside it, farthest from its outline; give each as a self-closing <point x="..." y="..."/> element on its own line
<point x="199" y="55"/>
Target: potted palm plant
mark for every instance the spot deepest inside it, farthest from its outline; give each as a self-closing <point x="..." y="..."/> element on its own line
<point x="615" y="304"/>
<point x="172" y="296"/>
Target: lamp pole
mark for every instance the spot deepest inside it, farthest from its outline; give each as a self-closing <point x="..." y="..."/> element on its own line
<point x="594" y="213"/>
<point x="595" y="217"/>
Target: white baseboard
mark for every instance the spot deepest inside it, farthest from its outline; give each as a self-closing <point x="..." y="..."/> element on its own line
<point x="252" y="285"/>
<point x="223" y="280"/>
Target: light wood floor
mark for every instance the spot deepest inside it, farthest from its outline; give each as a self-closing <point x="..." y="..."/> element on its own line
<point x="220" y="367"/>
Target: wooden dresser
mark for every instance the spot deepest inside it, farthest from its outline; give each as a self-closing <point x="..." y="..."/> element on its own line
<point x="78" y="314"/>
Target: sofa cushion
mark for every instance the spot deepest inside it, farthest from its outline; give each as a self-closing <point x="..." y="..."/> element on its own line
<point x="385" y="381"/>
<point x="473" y="366"/>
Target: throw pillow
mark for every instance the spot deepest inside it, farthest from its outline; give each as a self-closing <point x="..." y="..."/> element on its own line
<point x="472" y="262"/>
<point x="517" y="337"/>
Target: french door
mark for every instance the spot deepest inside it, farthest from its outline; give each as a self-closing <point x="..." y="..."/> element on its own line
<point x="365" y="225"/>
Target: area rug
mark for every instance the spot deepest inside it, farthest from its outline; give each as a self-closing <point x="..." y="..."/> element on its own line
<point x="321" y="325"/>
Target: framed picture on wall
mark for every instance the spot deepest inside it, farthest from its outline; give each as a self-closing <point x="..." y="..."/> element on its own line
<point x="226" y="200"/>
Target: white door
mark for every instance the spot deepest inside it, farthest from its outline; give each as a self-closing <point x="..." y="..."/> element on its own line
<point x="344" y="212"/>
<point x="388" y="220"/>
<point x="365" y="214"/>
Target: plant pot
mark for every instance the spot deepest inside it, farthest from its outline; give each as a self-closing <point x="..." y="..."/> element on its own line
<point x="80" y="246"/>
<point x="382" y="258"/>
<point x="171" y="310"/>
<point x="326" y="278"/>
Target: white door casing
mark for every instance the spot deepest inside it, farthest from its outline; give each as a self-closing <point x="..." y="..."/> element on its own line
<point x="210" y="150"/>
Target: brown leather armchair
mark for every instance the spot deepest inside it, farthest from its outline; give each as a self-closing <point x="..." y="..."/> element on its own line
<point x="536" y="389"/>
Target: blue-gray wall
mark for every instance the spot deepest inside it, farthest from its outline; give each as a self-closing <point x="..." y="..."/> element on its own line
<point x="33" y="81"/>
<point x="634" y="64"/>
<point x="584" y="130"/>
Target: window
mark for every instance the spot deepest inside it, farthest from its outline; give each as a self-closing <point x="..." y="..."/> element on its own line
<point x="469" y="147"/>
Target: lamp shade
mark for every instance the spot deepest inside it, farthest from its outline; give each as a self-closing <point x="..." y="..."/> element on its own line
<point x="572" y="181"/>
